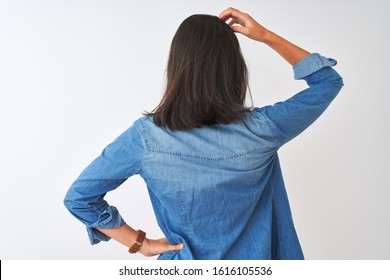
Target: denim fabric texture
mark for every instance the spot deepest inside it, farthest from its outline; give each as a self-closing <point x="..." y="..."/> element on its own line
<point x="218" y="189"/>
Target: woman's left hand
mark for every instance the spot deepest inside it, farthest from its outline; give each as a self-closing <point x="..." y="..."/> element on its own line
<point x="152" y="247"/>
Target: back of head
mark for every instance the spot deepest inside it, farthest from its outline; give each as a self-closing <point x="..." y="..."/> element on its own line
<point x="206" y="76"/>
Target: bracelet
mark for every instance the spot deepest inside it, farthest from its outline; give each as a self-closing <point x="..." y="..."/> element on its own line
<point x="138" y="242"/>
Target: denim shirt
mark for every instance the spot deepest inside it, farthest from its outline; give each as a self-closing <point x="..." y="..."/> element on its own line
<point x="218" y="189"/>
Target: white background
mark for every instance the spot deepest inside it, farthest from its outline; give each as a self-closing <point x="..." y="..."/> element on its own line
<point x="75" y="74"/>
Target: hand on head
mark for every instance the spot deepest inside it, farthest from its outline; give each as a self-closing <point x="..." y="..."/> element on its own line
<point x="243" y="23"/>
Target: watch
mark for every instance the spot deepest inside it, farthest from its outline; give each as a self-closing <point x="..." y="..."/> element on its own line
<point x="138" y="242"/>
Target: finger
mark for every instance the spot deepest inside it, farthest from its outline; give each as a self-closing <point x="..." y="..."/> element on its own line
<point x="175" y="247"/>
<point x="226" y="13"/>
<point x="239" y="29"/>
<point x="165" y="243"/>
<point x="231" y="12"/>
<point x="232" y="21"/>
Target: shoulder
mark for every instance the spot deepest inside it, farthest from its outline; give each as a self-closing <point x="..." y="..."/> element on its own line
<point x="143" y="125"/>
<point x="257" y="117"/>
<point x="134" y="135"/>
<point x="258" y="122"/>
<point x="147" y="131"/>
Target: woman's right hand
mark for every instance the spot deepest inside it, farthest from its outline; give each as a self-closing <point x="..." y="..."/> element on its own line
<point x="244" y="24"/>
<point x="152" y="247"/>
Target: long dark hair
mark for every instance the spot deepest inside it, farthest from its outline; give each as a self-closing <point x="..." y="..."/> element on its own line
<point x="206" y="76"/>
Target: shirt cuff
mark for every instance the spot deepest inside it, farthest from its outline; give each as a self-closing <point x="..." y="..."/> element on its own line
<point x="310" y="64"/>
<point x="108" y="219"/>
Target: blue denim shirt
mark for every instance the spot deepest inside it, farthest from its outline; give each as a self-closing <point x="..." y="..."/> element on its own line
<point x="218" y="189"/>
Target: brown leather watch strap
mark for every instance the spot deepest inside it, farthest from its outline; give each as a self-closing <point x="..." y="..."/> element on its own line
<point x="138" y="242"/>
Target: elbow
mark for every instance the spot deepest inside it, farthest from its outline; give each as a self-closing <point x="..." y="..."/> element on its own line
<point x="339" y="82"/>
<point x="69" y="202"/>
<point x="73" y="206"/>
<point x="335" y="79"/>
<point x="334" y="87"/>
<point x="335" y="83"/>
<point x="72" y="199"/>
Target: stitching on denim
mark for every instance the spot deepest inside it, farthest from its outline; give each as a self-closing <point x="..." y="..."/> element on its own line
<point x="186" y="210"/>
<point x="144" y="134"/>
<point x="145" y="140"/>
<point x="108" y="211"/>
<point x="91" y="236"/>
<point x="255" y="243"/>
<point x="236" y="155"/>
<point x="188" y="155"/>
<point x="270" y="127"/>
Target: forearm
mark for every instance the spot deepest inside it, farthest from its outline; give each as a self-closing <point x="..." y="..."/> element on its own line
<point x="124" y="234"/>
<point x="290" y="52"/>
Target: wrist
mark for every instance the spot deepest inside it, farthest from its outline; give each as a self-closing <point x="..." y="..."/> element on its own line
<point x="141" y="236"/>
<point x="270" y="38"/>
<point x="144" y="246"/>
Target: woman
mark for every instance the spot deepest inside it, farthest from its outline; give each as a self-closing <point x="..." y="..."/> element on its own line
<point x="209" y="162"/>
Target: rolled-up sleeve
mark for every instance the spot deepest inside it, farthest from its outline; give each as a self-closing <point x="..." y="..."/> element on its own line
<point x="85" y="197"/>
<point x="292" y="116"/>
